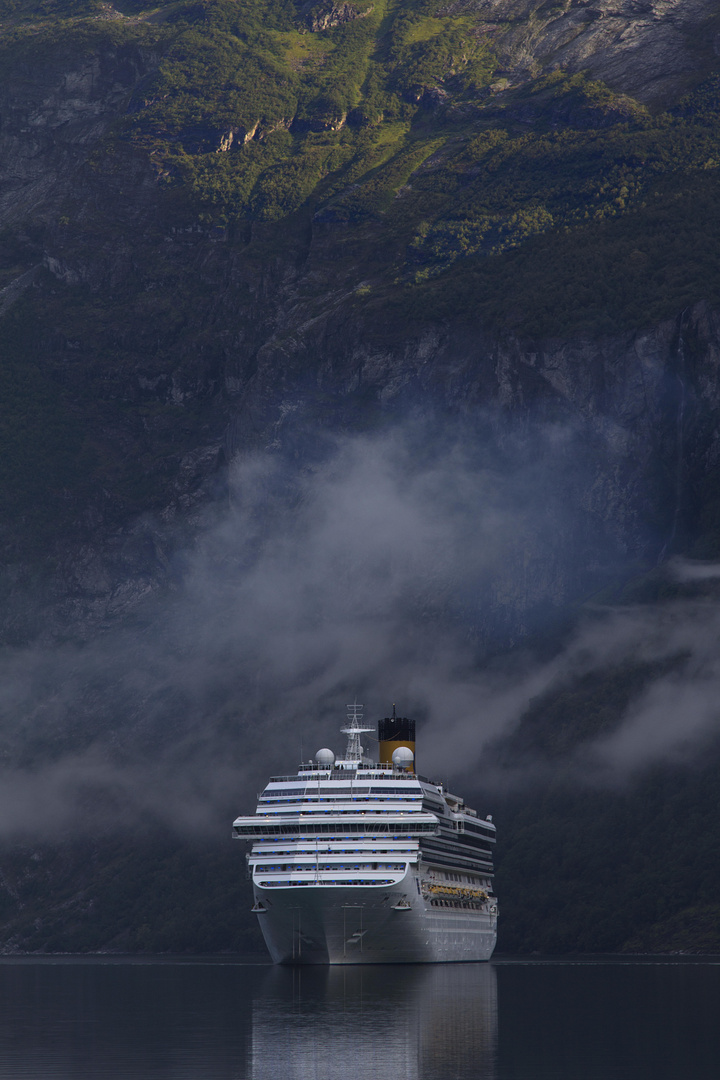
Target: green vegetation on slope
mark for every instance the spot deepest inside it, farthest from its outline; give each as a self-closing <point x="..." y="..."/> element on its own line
<point x="549" y="208"/>
<point x="256" y="114"/>
<point x="554" y="207"/>
<point x="557" y="205"/>
<point x="389" y="118"/>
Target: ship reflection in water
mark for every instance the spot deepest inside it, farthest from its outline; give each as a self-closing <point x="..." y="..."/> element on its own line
<point x="403" y="1022"/>
<point x="153" y="1018"/>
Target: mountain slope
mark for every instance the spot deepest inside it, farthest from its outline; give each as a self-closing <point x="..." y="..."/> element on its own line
<point x="245" y="232"/>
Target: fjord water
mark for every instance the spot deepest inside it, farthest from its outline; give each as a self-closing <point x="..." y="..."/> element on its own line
<point x="64" y="1019"/>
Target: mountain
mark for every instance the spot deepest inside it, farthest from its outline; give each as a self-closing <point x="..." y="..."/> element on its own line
<point x="463" y="257"/>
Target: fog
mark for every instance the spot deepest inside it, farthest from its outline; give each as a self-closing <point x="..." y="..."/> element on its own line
<point x="673" y="717"/>
<point x="389" y="570"/>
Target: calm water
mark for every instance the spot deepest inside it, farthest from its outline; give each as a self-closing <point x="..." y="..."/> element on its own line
<point x="139" y="1020"/>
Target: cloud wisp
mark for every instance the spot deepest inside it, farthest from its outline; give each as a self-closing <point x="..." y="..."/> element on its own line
<point x="384" y="570"/>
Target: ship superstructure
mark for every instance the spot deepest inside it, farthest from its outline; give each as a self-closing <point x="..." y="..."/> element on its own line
<point x="356" y="861"/>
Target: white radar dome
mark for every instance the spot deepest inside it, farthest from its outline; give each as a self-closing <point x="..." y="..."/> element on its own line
<point x="403" y="757"/>
<point x="325" y="757"/>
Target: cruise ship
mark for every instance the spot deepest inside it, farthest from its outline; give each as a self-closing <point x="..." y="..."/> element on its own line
<point x="362" y="861"/>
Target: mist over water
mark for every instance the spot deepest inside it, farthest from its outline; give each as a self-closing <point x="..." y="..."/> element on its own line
<point x="388" y="568"/>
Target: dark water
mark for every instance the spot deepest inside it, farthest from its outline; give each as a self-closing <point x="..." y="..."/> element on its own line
<point x="141" y="1020"/>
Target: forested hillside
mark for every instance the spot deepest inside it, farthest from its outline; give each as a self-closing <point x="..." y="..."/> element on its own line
<point x="358" y="347"/>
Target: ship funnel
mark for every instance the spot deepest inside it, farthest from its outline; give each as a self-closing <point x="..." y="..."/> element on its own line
<point x="393" y="732"/>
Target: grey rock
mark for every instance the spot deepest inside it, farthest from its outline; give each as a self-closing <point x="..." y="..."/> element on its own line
<point x="640" y="47"/>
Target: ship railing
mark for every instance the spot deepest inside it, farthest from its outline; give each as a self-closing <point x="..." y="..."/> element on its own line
<point x="320" y="772"/>
<point x="311" y="828"/>
<point x="366" y="820"/>
<point x="384" y="768"/>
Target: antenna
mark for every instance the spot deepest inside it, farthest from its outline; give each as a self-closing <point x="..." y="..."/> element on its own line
<point x="354" y="730"/>
<point x="355" y="712"/>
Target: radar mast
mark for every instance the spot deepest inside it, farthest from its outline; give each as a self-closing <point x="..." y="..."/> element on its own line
<point x="354" y="730"/>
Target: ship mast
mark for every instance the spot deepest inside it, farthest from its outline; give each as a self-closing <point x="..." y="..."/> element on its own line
<point x="353" y="731"/>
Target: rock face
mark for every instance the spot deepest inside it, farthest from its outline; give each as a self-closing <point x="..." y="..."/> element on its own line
<point x="621" y="428"/>
<point x="329" y="15"/>
<point x="634" y="432"/>
<point x="52" y="118"/>
<point x="641" y="48"/>
<point x="147" y="343"/>
<point x="173" y="344"/>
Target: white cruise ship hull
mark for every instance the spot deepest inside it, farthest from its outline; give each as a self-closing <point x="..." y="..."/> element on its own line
<point x="356" y="861"/>
<point x="317" y="924"/>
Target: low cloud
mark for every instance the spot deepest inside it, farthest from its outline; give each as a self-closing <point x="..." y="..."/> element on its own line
<point x="673" y="717"/>
<point x="678" y="713"/>
<point x="386" y="571"/>
<point x="687" y="570"/>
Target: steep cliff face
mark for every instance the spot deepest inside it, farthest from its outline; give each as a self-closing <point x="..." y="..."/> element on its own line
<point x="148" y="341"/>
<point x="621" y="427"/>
<point x="462" y="242"/>
<point x="631" y="418"/>
<point x="54" y="115"/>
<point x="649" y="50"/>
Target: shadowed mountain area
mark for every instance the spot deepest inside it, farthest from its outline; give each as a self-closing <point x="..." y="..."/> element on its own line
<point x="359" y="348"/>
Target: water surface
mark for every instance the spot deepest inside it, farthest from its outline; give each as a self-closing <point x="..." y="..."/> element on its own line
<point x="68" y="1019"/>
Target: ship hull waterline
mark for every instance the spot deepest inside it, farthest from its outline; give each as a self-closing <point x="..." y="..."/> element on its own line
<point x="319" y="924"/>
